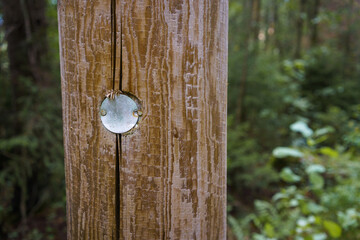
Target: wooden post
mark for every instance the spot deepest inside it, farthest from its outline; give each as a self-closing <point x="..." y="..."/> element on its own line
<point x="167" y="180"/>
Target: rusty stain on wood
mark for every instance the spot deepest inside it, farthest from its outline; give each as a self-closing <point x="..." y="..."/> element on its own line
<point x="173" y="167"/>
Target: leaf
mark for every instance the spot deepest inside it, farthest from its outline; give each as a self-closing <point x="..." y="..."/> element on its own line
<point x="315" y="168"/>
<point x="302" y="222"/>
<point x="236" y="228"/>
<point x="17" y="142"/>
<point x="269" y="230"/>
<point x="323" y="131"/>
<point x="329" y="152"/>
<point x="279" y="196"/>
<point x="349" y="218"/>
<point x="332" y="228"/>
<point x="294" y="203"/>
<point x="259" y="237"/>
<point x="319" y="236"/>
<point x="283" y="152"/>
<point x="289" y="176"/>
<point x="301" y="103"/>
<point x="316" y="180"/>
<point x="302" y="128"/>
<point x="315" y="208"/>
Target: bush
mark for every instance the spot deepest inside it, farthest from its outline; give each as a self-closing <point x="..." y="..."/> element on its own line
<point x="319" y="200"/>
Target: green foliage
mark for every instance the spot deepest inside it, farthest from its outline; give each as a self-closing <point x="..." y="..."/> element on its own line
<point x="31" y="149"/>
<point x="293" y="155"/>
<point x="284" y="152"/>
<point x="236" y="228"/>
<point x="245" y="164"/>
<point x="319" y="202"/>
<point x="32" y="161"/>
<point x="289" y="176"/>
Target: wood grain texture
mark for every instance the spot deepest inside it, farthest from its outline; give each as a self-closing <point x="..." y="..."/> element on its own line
<point x="86" y="76"/>
<point x="173" y="169"/>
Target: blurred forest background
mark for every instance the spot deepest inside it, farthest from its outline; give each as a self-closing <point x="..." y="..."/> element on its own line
<point x="293" y="123"/>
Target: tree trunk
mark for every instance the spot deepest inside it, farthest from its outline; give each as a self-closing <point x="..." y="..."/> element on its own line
<point x="246" y="32"/>
<point x="348" y="32"/>
<point x="277" y="26"/>
<point x="347" y="41"/>
<point x="314" y="12"/>
<point x="299" y="29"/>
<point x="269" y="23"/>
<point x="167" y="180"/>
<point x="25" y="26"/>
<point x="256" y="9"/>
<point x="17" y="50"/>
<point x="25" y="33"/>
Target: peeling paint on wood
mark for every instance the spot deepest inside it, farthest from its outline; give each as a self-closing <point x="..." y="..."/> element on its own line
<point x="173" y="167"/>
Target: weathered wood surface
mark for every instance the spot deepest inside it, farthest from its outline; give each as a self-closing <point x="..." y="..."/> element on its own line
<point x="173" y="168"/>
<point x="86" y="76"/>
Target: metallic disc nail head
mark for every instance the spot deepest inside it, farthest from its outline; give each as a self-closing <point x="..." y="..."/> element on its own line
<point x="120" y="114"/>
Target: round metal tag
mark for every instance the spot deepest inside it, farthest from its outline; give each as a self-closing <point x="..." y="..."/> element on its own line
<point x="120" y="113"/>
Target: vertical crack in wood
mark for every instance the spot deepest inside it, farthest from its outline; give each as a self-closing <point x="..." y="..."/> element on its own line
<point x="118" y="136"/>
<point x="113" y="40"/>
<point x="119" y="153"/>
<point x="121" y="53"/>
<point x="117" y="185"/>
